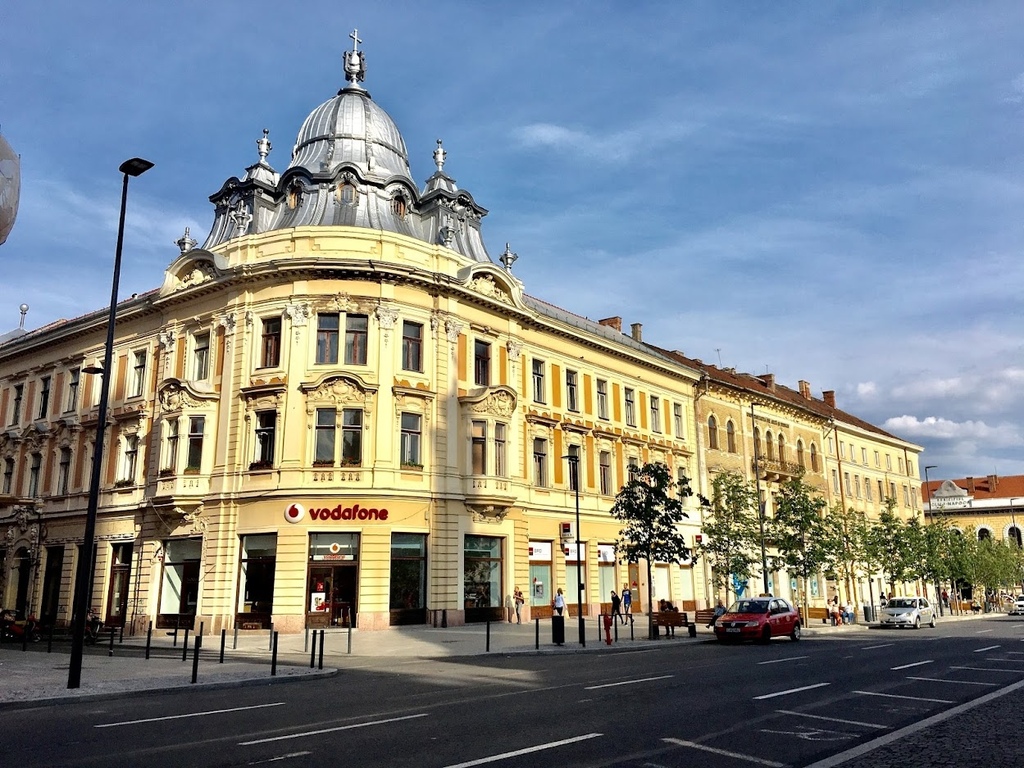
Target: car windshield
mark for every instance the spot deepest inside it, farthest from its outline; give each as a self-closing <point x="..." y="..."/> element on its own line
<point x="902" y="603"/>
<point x="749" y="606"/>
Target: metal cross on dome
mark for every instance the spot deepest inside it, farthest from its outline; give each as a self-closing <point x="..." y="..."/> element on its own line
<point x="355" y="63"/>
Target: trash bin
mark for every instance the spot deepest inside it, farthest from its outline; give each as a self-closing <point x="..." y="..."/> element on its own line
<point x="869" y="613"/>
<point x="558" y="629"/>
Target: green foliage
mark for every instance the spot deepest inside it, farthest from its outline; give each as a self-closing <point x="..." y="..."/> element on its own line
<point x="890" y="545"/>
<point x="651" y="509"/>
<point x="731" y="533"/>
<point x="797" y="531"/>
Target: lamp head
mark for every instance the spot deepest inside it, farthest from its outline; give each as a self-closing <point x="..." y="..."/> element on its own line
<point x="135" y="167"/>
<point x="93" y="370"/>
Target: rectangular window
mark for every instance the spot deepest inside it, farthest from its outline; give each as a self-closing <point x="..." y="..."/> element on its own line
<point x="900" y="460"/>
<point x="500" y="451"/>
<point x="906" y="496"/>
<point x="355" y="339"/>
<point x="482" y="363"/>
<point x="8" y="476"/>
<point x="842" y="450"/>
<point x="630" y="408"/>
<point x="408" y="572"/>
<point x="867" y="489"/>
<point x="479" y="448"/>
<point x="323" y="451"/>
<point x="138" y="373"/>
<point x="201" y="357"/>
<point x="864" y="456"/>
<point x="632" y="467"/>
<point x="266" y="434"/>
<point x="351" y="437"/>
<point x="677" y="419"/>
<point x="681" y="482"/>
<point x="881" y="491"/>
<point x="196" y="426"/>
<point x="171" y="445"/>
<point x="257" y="567"/>
<point x="538" y="381"/>
<point x="655" y="414"/>
<point x="33" y="475"/>
<point x="888" y="462"/>
<point x="846" y="484"/>
<point x="605" y="464"/>
<point x="44" y="397"/>
<point x="602" y="399"/>
<point x="877" y="462"/>
<point x="540" y="462"/>
<point x="835" y="481"/>
<point x="571" y="399"/>
<point x="64" y="472"/>
<point x="412" y="346"/>
<point x="856" y="485"/>
<point x="574" y="467"/>
<point x="19" y="393"/>
<point x="411" y="435"/>
<point x="482" y="566"/>
<point x="327" y="338"/>
<point x="131" y="458"/>
<point x="270" y="343"/>
<point x="73" y="377"/>
<point x="892" y="491"/>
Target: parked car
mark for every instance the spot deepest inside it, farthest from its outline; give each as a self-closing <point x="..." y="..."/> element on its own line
<point x="908" y="612"/>
<point x="1018" y="606"/>
<point x="760" y="618"/>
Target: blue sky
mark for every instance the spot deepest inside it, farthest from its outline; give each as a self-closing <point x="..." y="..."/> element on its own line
<point x="827" y="191"/>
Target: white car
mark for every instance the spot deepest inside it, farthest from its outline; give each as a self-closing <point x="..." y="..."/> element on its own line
<point x="908" y="612"/>
<point x="1018" y="606"/>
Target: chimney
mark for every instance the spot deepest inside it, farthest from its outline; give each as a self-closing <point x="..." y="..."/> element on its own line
<point x="805" y="389"/>
<point x="636" y="330"/>
<point x="829" y="396"/>
<point x="612" y="322"/>
<point x="970" y="485"/>
<point x="769" y="381"/>
<point x="993" y="481"/>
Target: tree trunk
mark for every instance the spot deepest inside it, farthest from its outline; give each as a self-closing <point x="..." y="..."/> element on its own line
<point x="650" y="603"/>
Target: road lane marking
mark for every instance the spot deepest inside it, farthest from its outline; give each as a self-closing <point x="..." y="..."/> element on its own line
<point x="876" y="647"/>
<point x="725" y="753"/>
<point x="988" y="669"/>
<point x="897" y="696"/>
<point x="915" y="664"/>
<point x="779" y="661"/>
<point x="990" y="648"/>
<point x="627" y="682"/>
<point x="289" y="756"/>
<point x="958" y="682"/>
<point x="191" y="714"/>
<point x="329" y="730"/>
<point x="982" y="631"/>
<point x="525" y="751"/>
<point x="791" y="690"/>
<point x="833" y="719"/>
<point x="889" y="738"/>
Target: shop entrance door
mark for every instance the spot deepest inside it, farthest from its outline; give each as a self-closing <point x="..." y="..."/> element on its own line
<point x="332" y="595"/>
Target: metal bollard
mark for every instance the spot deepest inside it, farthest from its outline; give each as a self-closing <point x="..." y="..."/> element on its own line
<point x="322" y="633"/>
<point x="600" y="621"/>
<point x="195" y="657"/>
<point x="149" y="639"/>
<point x="234" y="643"/>
<point x="631" y="627"/>
<point x="536" y="623"/>
<point x="312" y="655"/>
<point x="184" y="646"/>
<point x="110" y="650"/>
<point x="223" y="641"/>
<point x="616" y="629"/>
<point x="273" y="657"/>
<point x="444" y="618"/>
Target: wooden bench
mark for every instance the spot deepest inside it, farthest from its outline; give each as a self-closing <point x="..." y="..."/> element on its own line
<point x="704" y="616"/>
<point x="815" y="613"/>
<point x="669" y="619"/>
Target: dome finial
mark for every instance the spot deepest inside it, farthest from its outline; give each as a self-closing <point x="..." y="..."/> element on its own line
<point x="263" y="146"/>
<point x="508" y="258"/>
<point x="355" y="63"/>
<point x="185" y="242"/>
<point x="439" y="156"/>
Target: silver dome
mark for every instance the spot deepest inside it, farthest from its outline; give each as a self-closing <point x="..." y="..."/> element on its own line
<point x="351" y="128"/>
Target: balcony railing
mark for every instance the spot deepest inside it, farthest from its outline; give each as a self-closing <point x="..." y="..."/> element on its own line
<point x="769" y="467"/>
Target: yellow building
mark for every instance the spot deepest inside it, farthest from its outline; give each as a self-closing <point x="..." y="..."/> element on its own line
<point x="338" y="409"/>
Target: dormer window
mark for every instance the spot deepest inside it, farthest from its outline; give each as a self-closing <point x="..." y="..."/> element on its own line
<point x="294" y="195"/>
<point x="399" y="206"/>
<point x="347" y="193"/>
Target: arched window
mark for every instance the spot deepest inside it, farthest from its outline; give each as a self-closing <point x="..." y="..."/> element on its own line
<point x="814" y="458"/>
<point x="347" y="193"/>
<point x="800" y="453"/>
<point x="782" y="448"/>
<point x="771" y="445"/>
<point x="399" y="206"/>
<point x="712" y="433"/>
<point x="757" y="443"/>
<point x="294" y="195"/>
<point x="1014" y="535"/>
<point x="984" y="534"/>
<point x="730" y="436"/>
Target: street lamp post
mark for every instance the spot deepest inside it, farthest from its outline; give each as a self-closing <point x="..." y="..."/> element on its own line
<point x="83" y="574"/>
<point x="928" y="497"/>
<point x="574" y="475"/>
<point x="760" y="504"/>
<point x="1016" y="531"/>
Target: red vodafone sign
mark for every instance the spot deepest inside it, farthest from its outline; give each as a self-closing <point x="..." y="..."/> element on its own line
<point x="295" y="513"/>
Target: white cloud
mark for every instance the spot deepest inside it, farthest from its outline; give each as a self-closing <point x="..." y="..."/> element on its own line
<point x="867" y="389"/>
<point x="970" y="432"/>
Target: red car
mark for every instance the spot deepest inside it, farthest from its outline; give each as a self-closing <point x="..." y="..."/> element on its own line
<point x="759" y="618"/>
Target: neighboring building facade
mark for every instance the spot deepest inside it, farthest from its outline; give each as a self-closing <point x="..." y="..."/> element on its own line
<point x="339" y="409"/>
<point x="993" y="506"/>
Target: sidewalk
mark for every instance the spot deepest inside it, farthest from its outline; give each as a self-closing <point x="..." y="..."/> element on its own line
<point x="35" y="675"/>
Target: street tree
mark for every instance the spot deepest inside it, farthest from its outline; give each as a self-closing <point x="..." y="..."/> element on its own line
<point x="731" y="533"/>
<point x="797" y="533"/>
<point x="889" y="545"/>
<point x="845" y="539"/>
<point x="651" y="509"/>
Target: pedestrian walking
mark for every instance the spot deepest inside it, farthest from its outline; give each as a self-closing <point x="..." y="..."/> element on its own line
<point x="559" y="602"/>
<point x="517" y="598"/>
<point x="616" y="607"/>
<point x="627" y="602"/>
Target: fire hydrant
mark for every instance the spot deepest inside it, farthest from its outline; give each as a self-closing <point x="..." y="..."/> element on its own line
<point x="608" y="629"/>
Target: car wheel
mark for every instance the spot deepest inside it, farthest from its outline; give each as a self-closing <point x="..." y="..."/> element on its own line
<point x="766" y="634"/>
<point x="917" y="622"/>
<point x="795" y="634"/>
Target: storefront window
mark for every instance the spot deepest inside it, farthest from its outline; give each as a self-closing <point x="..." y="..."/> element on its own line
<point x="408" y="578"/>
<point x="256" y="581"/>
<point x="540" y="593"/>
<point x="606" y="574"/>
<point x="571" y="580"/>
<point x="51" y="584"/>
<point x="482" y="585"/>
<point x="120" y="576"/>
<point x="333" y="586"/>
<point x="179" y="589"/>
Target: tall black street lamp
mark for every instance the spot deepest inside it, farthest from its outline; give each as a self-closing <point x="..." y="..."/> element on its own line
<point x="760" y="504"/>
<point x="83" y="574"/>
<point x="574" y="475"/>
<point x="928" y="497"/>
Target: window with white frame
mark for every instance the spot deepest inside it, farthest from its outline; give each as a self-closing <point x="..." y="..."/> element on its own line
<point x="888" y="462"/>
<point x="325" y="432"/>
<point x="196" y="428"/>
<point x="655" y="414"/>
<point x="356" y="331"/>
<point x="677" y="420"/>
<point x="500" y="450"/>
<point x="33" y="474"/>
<point x="74" y="375"/>
<point x="44" y="397"/>
<point x="266" y="437"/>
<point x="835" y="480"/>
<point x="351" y="437"/>
<point x="632" y="467"/>
<point x="571" y="391"/>
<point x="540" y="462"/>
<point x="630" y="408"/>
<point x="138" y="373"/>
<point x="412" y="433"/>
<point x="864" y="456"/>
<point x="602" y="399"/>
<point x="327" y="338"/>
<point x="478" y="448"/>
<point x="270" y="343"/>
<point x="878" y="461"/>
<point x="538" y="381"/>
<point x="130" y="460"/>
<point x="856" y="486"/>
<point x="412" y="346"/>
<point x="201" y="356"/>
<point x="170" y="462"/>
<point x="605" y="472"/>
<point x="867" y="489"/>
<point x="906" y="496"/>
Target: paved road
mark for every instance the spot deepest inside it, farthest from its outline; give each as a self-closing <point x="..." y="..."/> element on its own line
<point x="660" y="705"/>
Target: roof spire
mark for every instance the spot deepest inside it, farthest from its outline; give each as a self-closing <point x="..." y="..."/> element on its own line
<point x="508" y="258"/>
<point x="355" y="63"/>
<point x="439" y="156"/>
<point x="264" y="146"/>
<point x="185" y="242"/>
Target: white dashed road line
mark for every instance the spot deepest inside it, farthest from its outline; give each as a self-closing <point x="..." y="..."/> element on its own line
<point x="319" y="731"/>
<point x="876" y="647"/>
<point x="897" y="696"/>
<point x="779" y="661"/>
<point x="190" y="714"/>
<point x="525" y="751"/>
<point x="915" y="664"/>
<point x="958" y="682"/>
<point x="982" y="631"/>
<point x="989" y="648"/>
<point x="989" y="669"/>
<point x="791" y="690"/>
<point x="833" y="719"/>
<point x="725" y="753"/>
<point x="627" y="682"/>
